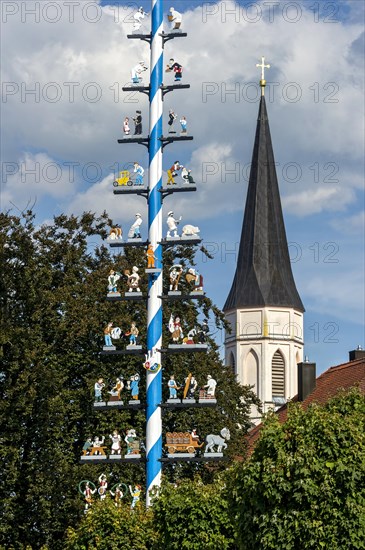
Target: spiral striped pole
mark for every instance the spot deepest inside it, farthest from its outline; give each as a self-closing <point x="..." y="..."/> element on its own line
<point x="154" y="312"/>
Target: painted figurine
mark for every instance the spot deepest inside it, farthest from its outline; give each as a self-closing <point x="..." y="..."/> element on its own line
<point x="172" y="118"/>
<point x="203" y="332"/>
<point x="186" y="175"/>
<point x="103" y="485"/>
<point x="88" y="493"/>
<point x="140" y="172"/>
<point x="137" y="123"/>
<point x="210" y="386"/>
<point x="172" y="225"/>
<point x="138" y="18"/>
<point x="116" y="233"/>
<point x="133" y="386"/>
<point x="175" y="275"/>
<point x="107" y="335"/>
<point x="194" y="435"/>
<point x="126" y="127"/>
<point x="87" y="446"/>
<point x="98" y="388"/>
<point x="130" y="439"/>
<point x="175" y="19"/>
<point x="133" y="279"/>
<point x="194" y="279"/>
<point x="116" y="439"/>
<point x="175" y="67"/>
<point x="173" y="172"/>
<point x="173" y="387"/>
<point x="150" y="257"/>
<point x="117" y="388"/>
<point x="136" y="494"/>
<point x="113" y="279"/>
<point x="135" y="231"/>
<point x="184" y="124"/>
<point x="137" y="71"/>
<point x="133" y="334"/>
<point x="193" y="384"/>
<point x="117" y="494"/>
<point x="175" y="329"/>
<point x="97" y="444"/>
<point x="189" y="339"/>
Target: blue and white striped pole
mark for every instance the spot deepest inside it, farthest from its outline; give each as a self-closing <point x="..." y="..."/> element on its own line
<point x="154" y="312"/>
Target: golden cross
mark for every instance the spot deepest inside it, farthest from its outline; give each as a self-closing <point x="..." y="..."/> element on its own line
<point x="263" y="67"/>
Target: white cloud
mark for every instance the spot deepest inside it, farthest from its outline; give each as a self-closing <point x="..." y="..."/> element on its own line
<point x="350" y="225"/>
<point x="310" y="201"/>
<point x="35" y="176"/>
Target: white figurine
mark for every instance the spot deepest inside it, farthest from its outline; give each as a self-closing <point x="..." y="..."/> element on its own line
<point x="137" y="71"/>
<point x="217" y="441"/>
<point x="172" y="224"/>
<point x="190" y="231"/>
<point x="210" y="386"/>
<point x="134" y="231"/>
<point x="175" y="19"/>
<point x="138" y="17"/>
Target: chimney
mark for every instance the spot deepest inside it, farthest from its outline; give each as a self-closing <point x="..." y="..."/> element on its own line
<point x="306" y="379"/>
<point x="357" y="353"/>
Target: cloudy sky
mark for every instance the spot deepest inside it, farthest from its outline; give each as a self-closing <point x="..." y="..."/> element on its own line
<point x="64" y="64"/>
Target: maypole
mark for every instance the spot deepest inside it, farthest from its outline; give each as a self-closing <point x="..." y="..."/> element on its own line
<point x="155" y="194"/>
<point x="154" y="313"/>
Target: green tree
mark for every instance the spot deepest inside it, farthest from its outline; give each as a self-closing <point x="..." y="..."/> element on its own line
<point x="192" y="515"/>
<point x="304" y="486"/>
<point x="107" y="527"/>
<point x="53" y="312"/>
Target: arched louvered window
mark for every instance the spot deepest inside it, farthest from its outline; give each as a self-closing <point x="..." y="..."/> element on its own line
<point x="278" y="375"/>
<point x="232" y="363"/>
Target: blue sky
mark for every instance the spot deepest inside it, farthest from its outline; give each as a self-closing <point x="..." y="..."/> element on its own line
<point x="65" y="131"/>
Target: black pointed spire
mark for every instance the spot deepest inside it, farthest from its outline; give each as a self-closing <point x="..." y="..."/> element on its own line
<point x="263" y="274"/>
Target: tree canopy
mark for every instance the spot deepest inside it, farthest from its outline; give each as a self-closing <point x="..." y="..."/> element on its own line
<point x="304" y="486"/>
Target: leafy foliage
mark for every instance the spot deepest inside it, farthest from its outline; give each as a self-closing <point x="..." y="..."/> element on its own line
<point x="53" y="313"/>
<point x="304" y="486"/>
<point x="192" y="515"/>
<point x="107" y="527"/>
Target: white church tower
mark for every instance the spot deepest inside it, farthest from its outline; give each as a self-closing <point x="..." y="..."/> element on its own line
<point x="263" y="306"/>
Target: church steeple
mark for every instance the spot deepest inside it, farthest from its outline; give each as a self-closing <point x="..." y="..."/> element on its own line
<point x="263" y="274"/>
<point x="263" y="307"/>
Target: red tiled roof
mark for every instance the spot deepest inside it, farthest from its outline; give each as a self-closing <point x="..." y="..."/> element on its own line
<point x="344" y="376"/>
